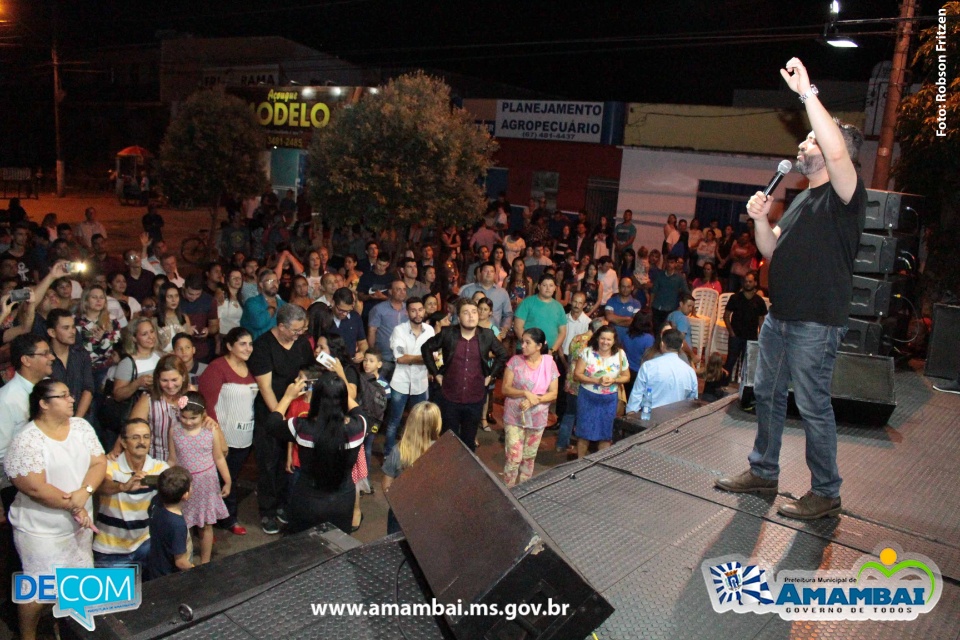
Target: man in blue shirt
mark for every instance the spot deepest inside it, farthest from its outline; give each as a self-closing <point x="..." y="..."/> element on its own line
<point x="621" y="309"/>
<point x="384" y="318"/>
<point x="670" y="378"/>
<point x="260" y="311"/>
<point x="348" y="324"/>
<point x="681" y="322"/>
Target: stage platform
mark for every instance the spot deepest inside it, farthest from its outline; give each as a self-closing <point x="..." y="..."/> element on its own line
<point x="639" y="518"/>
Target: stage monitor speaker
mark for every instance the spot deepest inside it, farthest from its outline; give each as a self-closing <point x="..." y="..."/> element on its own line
<point x="943" y="350"/>
<point x="872" y="296"/>
<point x="862" y="389"/>
<point x="885" y="254"/>
<point x="893" y="211"/>
<point x="476" y="545"/>
<point x="863" y="336"/>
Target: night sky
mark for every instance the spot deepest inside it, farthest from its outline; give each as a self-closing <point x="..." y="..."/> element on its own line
<point x="679" y="51"/>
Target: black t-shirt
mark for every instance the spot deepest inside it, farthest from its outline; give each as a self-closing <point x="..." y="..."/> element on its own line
<point x="371" y="283"/>
<point x="140" y="288"/>
<point x="746" y="314"/>
<point x="270" y="357"/>
<point x="811" y="272"/>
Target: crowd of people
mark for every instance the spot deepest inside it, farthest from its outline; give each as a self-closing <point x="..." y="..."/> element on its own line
<point x="149" y="388"/>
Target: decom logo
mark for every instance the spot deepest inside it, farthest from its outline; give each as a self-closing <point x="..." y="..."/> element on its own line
<point x="81" y="593"/>
<point x="898" y="587"/>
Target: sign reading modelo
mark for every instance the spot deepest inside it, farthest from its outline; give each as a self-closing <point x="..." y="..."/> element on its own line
<point x="549" y="120"/>
<point x="290" y="115"/>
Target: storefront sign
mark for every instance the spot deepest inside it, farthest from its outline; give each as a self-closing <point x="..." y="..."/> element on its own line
<point x="549" y="120"/>
<point x="290" y="115"/>
<point x="253" y="75"/>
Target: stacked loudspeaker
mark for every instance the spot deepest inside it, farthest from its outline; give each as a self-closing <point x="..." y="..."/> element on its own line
<point x="885" y="272"/>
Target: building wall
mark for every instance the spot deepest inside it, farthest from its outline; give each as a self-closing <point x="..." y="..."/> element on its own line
<point x="763" y="131"/>
<point x="575" y="162"/>
<point x="656" y="183"/>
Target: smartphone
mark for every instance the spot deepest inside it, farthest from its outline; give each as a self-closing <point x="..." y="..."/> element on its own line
<point x="326" y="360"/>
<point x="308" y="384"/>
<point x="76" y="267"/>
<point x="150" y="481"/>
<point x="19" y="295"/>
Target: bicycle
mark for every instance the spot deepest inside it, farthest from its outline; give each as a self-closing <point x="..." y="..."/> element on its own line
<point x="194" y="248"/>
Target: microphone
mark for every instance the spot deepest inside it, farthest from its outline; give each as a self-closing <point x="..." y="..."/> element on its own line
<point x="782" y="169"/>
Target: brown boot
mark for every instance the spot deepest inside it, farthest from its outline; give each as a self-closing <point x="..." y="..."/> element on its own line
<point x="747" y="482"/>
<point x="810" y="507"/>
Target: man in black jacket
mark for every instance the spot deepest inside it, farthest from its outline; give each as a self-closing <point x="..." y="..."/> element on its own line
<point x="470" y="358"/>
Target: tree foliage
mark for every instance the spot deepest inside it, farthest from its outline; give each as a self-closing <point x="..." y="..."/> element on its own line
<point x="930" y="163"/>
<point x="401" y="155"/>
<point x="211" y="148"/>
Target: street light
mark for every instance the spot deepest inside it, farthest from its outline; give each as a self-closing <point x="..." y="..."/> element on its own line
<point x="830" y="34"/>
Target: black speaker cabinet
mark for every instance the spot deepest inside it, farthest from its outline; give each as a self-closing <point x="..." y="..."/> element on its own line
<point x="943" y="351"/>
<point x="872" y="296"/>
<point x="885" y="254"/>
<point x="863" y="336"/>
<point x="476" y="545"/>
<point x="862" y="389"/>
<point x="893" y="211"/>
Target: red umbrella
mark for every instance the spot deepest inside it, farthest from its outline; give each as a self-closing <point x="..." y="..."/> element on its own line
<point x="135" y="151"/>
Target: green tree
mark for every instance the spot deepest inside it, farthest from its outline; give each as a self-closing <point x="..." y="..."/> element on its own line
<point x="401" y="155"/>
<point x="928" y="129"/>
<point x="212" y="148"/>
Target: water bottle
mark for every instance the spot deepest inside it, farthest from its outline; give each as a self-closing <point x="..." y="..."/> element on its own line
<point x="646" y="405"/>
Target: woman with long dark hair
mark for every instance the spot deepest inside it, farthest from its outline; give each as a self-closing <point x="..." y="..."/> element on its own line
<point x="170" y="319"/>
<point x="230" y="389"/>
<point x="329" y="441"/>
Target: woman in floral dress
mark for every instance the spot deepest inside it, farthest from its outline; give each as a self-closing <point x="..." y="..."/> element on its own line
<point x="602" y="367"/>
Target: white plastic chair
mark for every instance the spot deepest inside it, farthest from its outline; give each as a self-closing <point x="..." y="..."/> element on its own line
<point x="718" y="337"/>
<point x="705" y="302"/>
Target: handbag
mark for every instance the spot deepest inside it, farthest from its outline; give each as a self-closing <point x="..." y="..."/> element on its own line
<point x="621" y="400"/>
<point x="112" y="413"/>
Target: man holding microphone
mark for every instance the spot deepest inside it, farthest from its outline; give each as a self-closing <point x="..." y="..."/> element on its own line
<point x="800" y="336"/>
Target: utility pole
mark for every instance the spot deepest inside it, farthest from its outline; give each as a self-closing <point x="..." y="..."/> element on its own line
<point x="57" y="93"/>
<point x="881" y="170"/>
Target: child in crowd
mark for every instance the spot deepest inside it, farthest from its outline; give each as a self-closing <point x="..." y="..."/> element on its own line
<point x="200" y="451"/>
<point x="421" y="431"/>
<point x="300" y="408"/>
<point x="372" y="366"/>
<point x="170" y="545"/>
<point x="715" y="379"/>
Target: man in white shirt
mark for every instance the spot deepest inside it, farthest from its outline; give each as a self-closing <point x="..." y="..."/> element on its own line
<point x="409" y="381"/>
<point x="670" y="378"/>
<point x="33" y="360"/>
<point x="608" y="279"/>
<point x="169" y="264"/>
<point x="89" y="228"/>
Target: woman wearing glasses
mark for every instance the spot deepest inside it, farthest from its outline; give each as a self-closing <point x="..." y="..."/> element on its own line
<point x="56" y="463"/>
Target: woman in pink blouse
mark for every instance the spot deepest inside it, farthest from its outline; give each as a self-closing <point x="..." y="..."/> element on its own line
<point x="529" y="386"/>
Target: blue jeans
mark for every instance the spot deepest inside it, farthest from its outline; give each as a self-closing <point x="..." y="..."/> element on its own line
<point x="567" y="422"/>
<point x="139" y="556"/>
<point x="804" y="353"/>
<point x="398" y="402"/>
